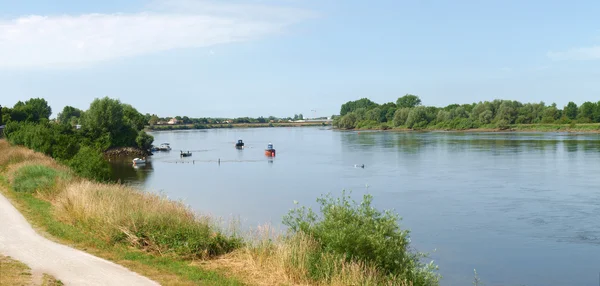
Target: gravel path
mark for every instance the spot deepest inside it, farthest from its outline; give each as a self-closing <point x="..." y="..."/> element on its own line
<point x="71" y="266"/>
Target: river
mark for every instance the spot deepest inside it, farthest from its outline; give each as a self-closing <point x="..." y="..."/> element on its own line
<point x="521" y="208"/>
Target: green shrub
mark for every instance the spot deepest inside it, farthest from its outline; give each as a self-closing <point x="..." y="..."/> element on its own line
<point x="359" y="232"/>
<point x="89" y="163"/>
<point x="35" y="178"/>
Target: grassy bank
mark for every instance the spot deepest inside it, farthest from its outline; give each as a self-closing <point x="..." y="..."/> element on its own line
<point x="346" y="243"/>
<point x="234" y="125"/>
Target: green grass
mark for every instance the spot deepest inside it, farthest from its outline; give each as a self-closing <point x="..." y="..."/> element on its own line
<point x="29" y="179"/>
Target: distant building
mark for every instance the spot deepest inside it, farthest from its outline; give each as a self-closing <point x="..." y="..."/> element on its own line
<point x="78" y="126"/>
<point x="173" y="121"/>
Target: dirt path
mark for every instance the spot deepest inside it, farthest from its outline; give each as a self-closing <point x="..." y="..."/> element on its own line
<point x="71" y="266"/>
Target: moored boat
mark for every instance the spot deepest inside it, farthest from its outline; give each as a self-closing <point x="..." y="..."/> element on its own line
<point x="138" y="161"/>
<point x="270" y="151"/>
<point x="239" y="144"/>
<point x="164" y="147"/>
<point x="185" y="154"/>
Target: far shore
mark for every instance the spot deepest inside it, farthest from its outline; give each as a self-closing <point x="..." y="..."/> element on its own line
<point x="522" y="128"/>
<point x="236" y="125"/>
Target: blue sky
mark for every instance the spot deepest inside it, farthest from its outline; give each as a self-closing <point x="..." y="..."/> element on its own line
<point x="281" y="57"/>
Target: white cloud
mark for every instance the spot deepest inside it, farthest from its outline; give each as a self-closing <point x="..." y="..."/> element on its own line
<point x="582" y="54"/>
<point x="76" y="40"/>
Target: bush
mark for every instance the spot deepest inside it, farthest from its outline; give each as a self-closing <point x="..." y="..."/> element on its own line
<point x="89" y="163"/>
<point x="35" y="178"/>
<point x="359" y="232"/>
<point x="144" y="141"/>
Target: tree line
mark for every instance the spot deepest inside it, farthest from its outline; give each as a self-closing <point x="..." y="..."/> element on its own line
<point x="155" y="120"/>
<point x="408" y="112"/>
<point x="107" y="123"/>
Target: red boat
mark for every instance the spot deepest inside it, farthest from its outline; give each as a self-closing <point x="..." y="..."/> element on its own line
<point x="270" y="151"/>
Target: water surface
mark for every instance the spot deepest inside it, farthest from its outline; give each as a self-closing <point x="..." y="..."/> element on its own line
<point x="521" y="208"/>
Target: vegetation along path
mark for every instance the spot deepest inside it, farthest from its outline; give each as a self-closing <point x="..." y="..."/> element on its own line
<point x="71" y="266"/>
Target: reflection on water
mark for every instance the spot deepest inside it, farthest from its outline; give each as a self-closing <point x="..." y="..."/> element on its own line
<point x="123" y="170"/>
<point x="521" y="208"/>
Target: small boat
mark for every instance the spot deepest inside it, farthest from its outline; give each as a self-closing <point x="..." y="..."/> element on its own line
<point x="138" y="161"/>
<point x="239" y="144"/>
<point x="270" y="151"/>
<point x="185" y="154"/>
<point x="164" y="147"/>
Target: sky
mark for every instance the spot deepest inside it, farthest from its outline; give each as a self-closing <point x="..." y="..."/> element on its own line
<point x="282" y="57"/>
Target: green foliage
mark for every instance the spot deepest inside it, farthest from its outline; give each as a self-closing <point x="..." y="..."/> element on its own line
<point x="351" y="106"/>
<point x="67" y="115"/>
<point x="34" y="110"/>
<point x="408" y="101"/>
<point x="348" y="121"/>
<point x="144" y="141"/>
<point x="35" y="178"/>
<point x="89" y="163"/>
<point x="501" y="114"/>
<point x="417" y="118"/>
<point x="400" y="116"/>
<point x="571" y="110"/>
<point x="359" y="232"/>
<point x="109" y="123"/>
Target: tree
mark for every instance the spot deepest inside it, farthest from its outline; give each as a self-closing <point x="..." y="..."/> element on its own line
<point x="65" y="117"/>
<point x="571" y="110"/>
<point x="300" y="116"/>
<point x="33" y="110"/>
<point x="408" y="101"/>
<point x="348" y="121"/>
<point x="144" y="141"/>
<point x="108" y="123"/>
<point x="351" y="106"/>
<point x="153" y="119"/>
<point x="400" y="116"/>
<point x="586" y="112"/>
<point x="417" y="118"/>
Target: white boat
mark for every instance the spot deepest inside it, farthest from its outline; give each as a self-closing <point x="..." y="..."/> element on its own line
<point x="138" y="161"/>
<point x="164" y="147"/>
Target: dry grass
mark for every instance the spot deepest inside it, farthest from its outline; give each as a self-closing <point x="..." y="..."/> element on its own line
<point x="145" y="220"/>
<point x="10" y="155"/>
<point x="13" y="272"/>
<point x="272" y="259"/>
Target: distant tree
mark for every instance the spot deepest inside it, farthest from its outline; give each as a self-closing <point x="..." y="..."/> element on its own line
<point x="33" y="110"/>
<point x="586" y="112"/>
<point x="300" y="116"/>
<point x="351" y="106"/>
<point x="408" y="101"/>
<point x="373" y="114"/>
<point x="486" y="117"/>
<point x="400" y="116"/>
<point x="348" y="121"/>
<point x="571" y="110"/>
<point x="153" y="119"/>
<point x="67" y="114"/>
<point x="417" y="118"/>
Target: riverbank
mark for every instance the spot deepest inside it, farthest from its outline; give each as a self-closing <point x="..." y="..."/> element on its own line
<point x="235" y="125"/>
<point x="567" y="128"/>
<point x="168" y="243"/>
